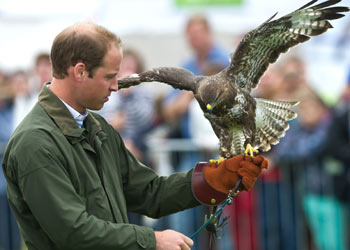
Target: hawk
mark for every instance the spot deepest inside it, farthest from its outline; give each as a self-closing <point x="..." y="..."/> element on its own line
<point x="242" y="123"/>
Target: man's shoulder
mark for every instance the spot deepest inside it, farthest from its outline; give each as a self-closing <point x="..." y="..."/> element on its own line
<point x="36" y="127"/>
<point x="37" y="117"/>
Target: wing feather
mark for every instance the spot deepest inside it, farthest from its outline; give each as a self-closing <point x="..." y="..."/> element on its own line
<point x="176" y="77"/>
<point x="262" y="46"/>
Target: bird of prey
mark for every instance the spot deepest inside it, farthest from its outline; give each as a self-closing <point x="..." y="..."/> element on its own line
<point x="242" y="123"/>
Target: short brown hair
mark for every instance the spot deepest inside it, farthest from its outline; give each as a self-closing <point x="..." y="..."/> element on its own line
<point x="84" y="42"/>
<point x="198" y="18"/>
<point x="43" y="56"/>
<point x="140" y="66"/>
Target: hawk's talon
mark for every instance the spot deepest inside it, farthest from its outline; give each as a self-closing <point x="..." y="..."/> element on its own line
<point x="249" y="150"/>
<point x="217" y="161"/>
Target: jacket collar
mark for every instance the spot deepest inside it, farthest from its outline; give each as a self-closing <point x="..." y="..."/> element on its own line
<point x="56" y="109"/>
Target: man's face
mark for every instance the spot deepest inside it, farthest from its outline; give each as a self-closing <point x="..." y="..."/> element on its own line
<point x="199" y="38"/>
<point x="43" y="70"/>
<point x="94" y="92"/>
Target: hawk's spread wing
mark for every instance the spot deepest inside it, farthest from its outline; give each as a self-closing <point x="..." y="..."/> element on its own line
<point x="262" y="46"/>
<point x="177" y="77"/>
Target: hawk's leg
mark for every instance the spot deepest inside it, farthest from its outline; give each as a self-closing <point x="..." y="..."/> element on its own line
<point x="226" y="150"/>
<point x="249" y="132"/>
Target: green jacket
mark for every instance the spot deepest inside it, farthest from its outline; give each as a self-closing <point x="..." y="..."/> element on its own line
<point x="71" y="187"/>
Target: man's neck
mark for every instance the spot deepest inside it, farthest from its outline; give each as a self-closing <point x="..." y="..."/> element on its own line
<point x="62" y="88"/>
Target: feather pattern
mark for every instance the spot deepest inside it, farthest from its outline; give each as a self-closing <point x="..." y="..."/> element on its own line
<point x="238" y="139"/>
<point x="272" y="121"/>
<point x="263" y="45"/>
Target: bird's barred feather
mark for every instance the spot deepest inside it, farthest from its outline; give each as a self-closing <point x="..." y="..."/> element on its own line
<point x="278" y="108"/>
<point x="237" y="144"/>
<point x="272" y="121"/>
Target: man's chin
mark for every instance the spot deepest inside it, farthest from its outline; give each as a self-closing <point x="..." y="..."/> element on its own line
<point x="96" y="107"/>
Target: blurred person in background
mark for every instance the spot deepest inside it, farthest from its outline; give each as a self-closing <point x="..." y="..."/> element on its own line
<point x="315" y="175"/>
<point x="276" y="206"/>
<point x="205" y="51"/>
<point x="5" y="90"/>
<point x="270" y="84"/>
<point x="27" y="94"/>
<point x="175" y="107"/>
<point x="294" y="75"/>
<point x="9" y="233"/>
<point x="200" y="39"/>
<point x="338" y="166"/>
<point x="305" y="143"/>
<point x="320" y="175"/>
<point x="71" y="180"/>
<point x="42" y="71"/>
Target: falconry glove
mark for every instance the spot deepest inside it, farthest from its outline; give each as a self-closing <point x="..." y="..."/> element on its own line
<point x="212" y="182"/>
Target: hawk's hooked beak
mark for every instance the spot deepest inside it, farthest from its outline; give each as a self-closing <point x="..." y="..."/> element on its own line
<point x="209" y="108"/>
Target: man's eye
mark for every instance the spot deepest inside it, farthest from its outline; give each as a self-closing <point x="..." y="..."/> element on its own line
<point x="109" y="77"/>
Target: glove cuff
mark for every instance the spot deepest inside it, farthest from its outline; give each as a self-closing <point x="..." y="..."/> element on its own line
<point x="202" y="191"/>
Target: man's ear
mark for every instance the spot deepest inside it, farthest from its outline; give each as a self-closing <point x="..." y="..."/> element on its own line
<point x="79" y="71"/>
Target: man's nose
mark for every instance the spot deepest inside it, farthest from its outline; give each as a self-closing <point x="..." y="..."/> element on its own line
<point x="114" y="84"/>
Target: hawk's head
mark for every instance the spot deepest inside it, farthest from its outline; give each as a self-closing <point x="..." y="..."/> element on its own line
<point x="219" y="102"/>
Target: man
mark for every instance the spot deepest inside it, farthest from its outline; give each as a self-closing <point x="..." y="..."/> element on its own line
<point x="70" y="179"/>
<point x="205" y="53"/>
<point x="9" y="233"/>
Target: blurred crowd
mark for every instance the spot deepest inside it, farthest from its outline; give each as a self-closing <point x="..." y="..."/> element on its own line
<point x="301" y="202"/>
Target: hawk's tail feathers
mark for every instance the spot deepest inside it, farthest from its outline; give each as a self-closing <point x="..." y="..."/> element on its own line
<point x="272" y="121"/>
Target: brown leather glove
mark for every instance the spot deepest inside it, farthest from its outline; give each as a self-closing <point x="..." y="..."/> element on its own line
<point x="212" y="182"/>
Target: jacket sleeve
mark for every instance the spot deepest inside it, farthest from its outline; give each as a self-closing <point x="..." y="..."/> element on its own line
<point x="61" y="213"/>
<point x="152" y="195"/>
